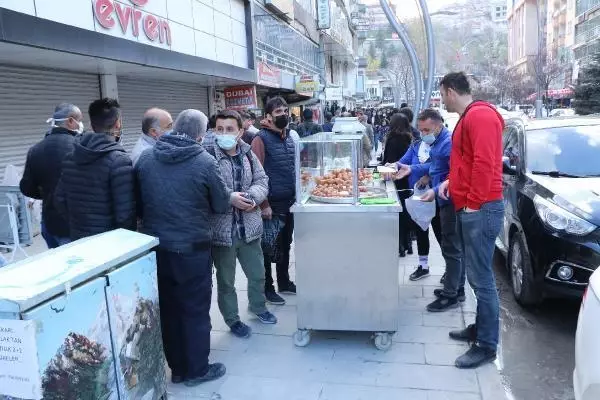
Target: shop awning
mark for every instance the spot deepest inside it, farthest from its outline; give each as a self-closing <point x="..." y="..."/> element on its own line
<point x="554" y="94"/>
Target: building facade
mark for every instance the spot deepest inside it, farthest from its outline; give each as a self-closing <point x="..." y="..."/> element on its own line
<point x="586" y="40"/>
<point x="525" y="33"/>
<point x="147" y="53"/>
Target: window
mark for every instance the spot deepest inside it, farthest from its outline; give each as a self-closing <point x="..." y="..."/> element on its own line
<point x="510" y="140"/>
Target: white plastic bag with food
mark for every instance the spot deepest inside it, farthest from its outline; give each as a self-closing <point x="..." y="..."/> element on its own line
<point x="422" y="212"/>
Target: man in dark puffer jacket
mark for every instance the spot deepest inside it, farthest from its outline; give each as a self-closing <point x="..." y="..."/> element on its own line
<point x="96" y="191"/>
<point x="44" y="166"/>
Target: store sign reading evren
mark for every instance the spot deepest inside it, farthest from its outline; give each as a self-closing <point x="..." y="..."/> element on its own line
<point x="109" y="13"/>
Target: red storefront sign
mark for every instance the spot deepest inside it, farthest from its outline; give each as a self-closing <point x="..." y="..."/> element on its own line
<point x="109" y="13"/>
<point x="268" y="75"/>
<point x="240" y="97"/>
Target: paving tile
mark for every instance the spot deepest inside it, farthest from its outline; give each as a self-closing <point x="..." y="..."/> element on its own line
<point x="422" y="334"/>
<point x="490" y="383"/>
<point x="435" y="395"/>
<point x="432" y="280"/>
<point x="410" y="291"/>
<point x="432" y="377"/>
<point x="353" y="392"/>
<point x="446" y="319"/>
<point x="255" y="388"/>
<point x="408" y="353"/>
<point x="414" y="304"/>
<point x="443" y="354"/>
<point x="407" y="318"/>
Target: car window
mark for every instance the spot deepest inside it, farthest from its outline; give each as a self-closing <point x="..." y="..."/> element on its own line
<point x="510" y="141"/>
<point x="571" y="150"/>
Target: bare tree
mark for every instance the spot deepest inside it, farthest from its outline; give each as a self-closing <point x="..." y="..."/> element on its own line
<point x="545" y="70"/>
<point x="396" y="68"/>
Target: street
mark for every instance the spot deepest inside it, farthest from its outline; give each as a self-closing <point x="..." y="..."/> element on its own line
<point x="537" y="353"/>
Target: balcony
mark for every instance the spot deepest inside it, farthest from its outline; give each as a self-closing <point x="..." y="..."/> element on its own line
<point x="587" y="36"/>
<point x="583" y="6"/>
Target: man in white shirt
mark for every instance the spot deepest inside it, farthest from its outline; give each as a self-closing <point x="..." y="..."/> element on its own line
<point x="156" y="122"/>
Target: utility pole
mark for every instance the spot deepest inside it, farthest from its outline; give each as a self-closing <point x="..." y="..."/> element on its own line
<point x="538" y="67"/>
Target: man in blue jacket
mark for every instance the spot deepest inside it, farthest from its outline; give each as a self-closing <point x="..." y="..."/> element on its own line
<point x="434" y="133"/>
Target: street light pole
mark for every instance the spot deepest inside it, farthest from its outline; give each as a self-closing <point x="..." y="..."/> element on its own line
<point x="412" y="54"/>
<point x="430" y="52"/>
<point x="537" y="63"/>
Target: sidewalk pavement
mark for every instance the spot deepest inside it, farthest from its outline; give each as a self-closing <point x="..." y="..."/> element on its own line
<point x="346" y="365"/>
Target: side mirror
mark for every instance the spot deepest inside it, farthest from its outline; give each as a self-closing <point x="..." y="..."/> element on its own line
<point x="507" y="167"/>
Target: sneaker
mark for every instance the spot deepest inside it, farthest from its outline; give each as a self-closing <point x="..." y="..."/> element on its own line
<point x="469" y="334"/>
<point x="475" y="356"/>
<point x="443" y="279"/>
<point x="461" y="294"/>
<point x="241" y="330"/>
<point x="215" y="371"/>
<point x="267" y="318"/>
<point x="419" y="273"/>
<point x="274" y="298"/>
<point x="290" y="288"/>
<point x="442" y="304"/>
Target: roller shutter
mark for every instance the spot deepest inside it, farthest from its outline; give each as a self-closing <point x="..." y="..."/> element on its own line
<point x="28" y="98"/>
<point x="136" y="96"/>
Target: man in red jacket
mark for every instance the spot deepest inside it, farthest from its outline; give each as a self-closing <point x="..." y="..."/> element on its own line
<point x="475" y="187"/>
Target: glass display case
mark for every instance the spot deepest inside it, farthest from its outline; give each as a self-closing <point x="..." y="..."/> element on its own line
<point x="327" y="170"/>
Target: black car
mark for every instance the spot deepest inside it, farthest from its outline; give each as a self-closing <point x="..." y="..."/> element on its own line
<point x="551" y="183"/>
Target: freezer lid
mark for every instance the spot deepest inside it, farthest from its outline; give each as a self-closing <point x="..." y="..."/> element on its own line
<point x="36" y="279"/>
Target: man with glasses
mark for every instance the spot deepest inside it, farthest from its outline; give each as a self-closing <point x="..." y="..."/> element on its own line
<point x="274" y="148"/>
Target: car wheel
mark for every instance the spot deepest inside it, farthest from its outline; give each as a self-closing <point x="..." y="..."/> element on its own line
<point x="521" y="272"/>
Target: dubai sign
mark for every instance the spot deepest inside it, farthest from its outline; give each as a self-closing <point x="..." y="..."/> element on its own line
<point x="111" y="13"/>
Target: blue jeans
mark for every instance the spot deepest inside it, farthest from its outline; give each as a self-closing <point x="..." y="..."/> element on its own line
<point x="478" y="231"/>
<point x="53" y="241"/>
<point x="452" y="251"/>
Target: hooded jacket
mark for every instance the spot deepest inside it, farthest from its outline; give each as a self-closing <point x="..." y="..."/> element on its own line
<point x="180" y="188"/>
<point x="95" y="193"/>
<point x="254" y="182"/>
<point x="42" y="171"/>
<point x="476" y="157"/>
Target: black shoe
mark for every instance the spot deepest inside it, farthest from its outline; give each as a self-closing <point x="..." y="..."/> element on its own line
<point x="419" y="273"/>
<point x="215" y="371"/>
<point x="402" y="253"/>
<point x="290" y="288"/>
<point x="410" y="250"/>
<point x="176" y="378"/>
<point x="443" y="279"/>
<point x="442" y="304"/>
<point x="475" y="356"/>
<point x="461" y="294"/>
<point x="241" y="330"/>
<point x="267" y="318"/>
<point x="469" y="334"/>
<point x="274" y="298"/>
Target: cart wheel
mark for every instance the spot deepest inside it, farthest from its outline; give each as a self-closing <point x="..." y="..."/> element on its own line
<point x="383" y="341"/>
<point x="301" y="338"/>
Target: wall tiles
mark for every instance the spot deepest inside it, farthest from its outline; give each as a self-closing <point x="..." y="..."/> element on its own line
<point x="180" y="11"/>
<point x="223" y="26"/>
<point x="183" y="39"/>
<point x="205" y="46"/>
<point x="80" y="12"/>
<point x="204" y="18"/>
<point x="22" y="6"/>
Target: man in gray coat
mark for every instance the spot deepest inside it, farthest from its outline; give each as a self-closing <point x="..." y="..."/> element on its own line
<point x="237" y="232"/>
<point x="180" y="188"/>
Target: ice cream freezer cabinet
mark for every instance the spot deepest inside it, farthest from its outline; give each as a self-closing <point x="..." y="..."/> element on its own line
<point x="82" y="322"/>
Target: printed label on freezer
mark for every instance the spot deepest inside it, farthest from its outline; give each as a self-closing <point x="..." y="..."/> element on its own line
<point x="18" y="360"/>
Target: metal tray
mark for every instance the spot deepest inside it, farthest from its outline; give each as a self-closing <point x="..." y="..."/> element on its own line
<point x="372" y="193"/>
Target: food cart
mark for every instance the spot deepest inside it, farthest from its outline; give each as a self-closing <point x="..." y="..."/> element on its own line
<point x="346" y="242"/>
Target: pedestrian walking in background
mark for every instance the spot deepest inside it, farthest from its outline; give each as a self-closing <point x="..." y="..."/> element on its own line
<point x="411" y="116"/>
<point x="95" y="193"/>
<point x="475" y="187"/>
<point x="328" y="125"/>
<point x="308" y="127"/>
<point x="275" y="150"/>
<point x="43" y="168"/>
<point x="368" y="139"/>
<point x="236" y="233"/>
<point x="180" y="187"/>
<point x="248" y="120"/>
<point x="397" y="144"/>
<point x="155" y="123"/>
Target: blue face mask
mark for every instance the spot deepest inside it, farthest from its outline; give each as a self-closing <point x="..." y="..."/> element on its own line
<point x="428" y="139"/>
<point x="226" y="142"/>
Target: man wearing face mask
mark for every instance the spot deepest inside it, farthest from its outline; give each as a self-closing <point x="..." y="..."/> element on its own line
<point x="276" y="152"/>
<point x="44" y="166"/>
<point x="95" y="193"/>
<point x="236" y="233"/>
<point x="156" y="122"/>
<point x="434" y="133"/>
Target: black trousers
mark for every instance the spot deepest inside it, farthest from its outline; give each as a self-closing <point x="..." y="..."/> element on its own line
<point x="184" y="289"/>
<point x="283" y="266"/>
<point x="405" y="222"/>
<point x="423" y="236"/>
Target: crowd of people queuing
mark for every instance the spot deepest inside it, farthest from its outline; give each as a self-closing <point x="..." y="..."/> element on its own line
<point x="208" y="187"/>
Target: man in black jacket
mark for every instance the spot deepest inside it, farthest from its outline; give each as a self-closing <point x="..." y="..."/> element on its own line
<point x="96" y="191"/>
<point x="44" y="166"/>
<point x="180" y="187"/>
<point x="308" y="127"/>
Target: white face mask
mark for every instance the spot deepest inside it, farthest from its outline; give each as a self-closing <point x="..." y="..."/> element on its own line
<point x="53" y="122"/>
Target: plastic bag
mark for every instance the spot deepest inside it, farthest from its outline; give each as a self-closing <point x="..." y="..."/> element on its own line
<point x="422" y="212"/>
<point x="271" y="237"/>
